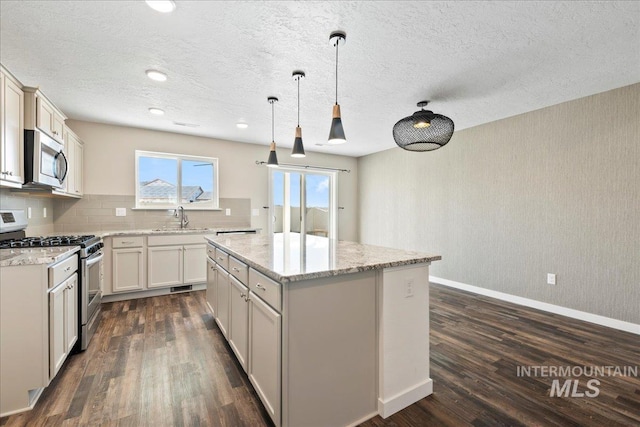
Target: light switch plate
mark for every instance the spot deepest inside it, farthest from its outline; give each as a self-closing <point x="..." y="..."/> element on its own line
<point x="227" y="212"/>
<point x="44" y="212"/>
<point x="28" y="213"/>
<point x="551" y="279"/>
<point x="255" y="212"/>
<point x="121" y="211"/>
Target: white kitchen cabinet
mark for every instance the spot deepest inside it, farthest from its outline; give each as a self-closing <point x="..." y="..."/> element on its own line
<point x="74" y="150"/>
<point x="128" y="266"/>
<point x="63" y="322"/>
<point x="212" y="286"/>
<point x="239" y="320"/>
<point x="49" y="119"/>
<point x="264" y="369"/>
<point x="195" y="267"/>
<point x="165" y="264"/>
<point x="11" y="131"/>
<point x="222" y="314"/>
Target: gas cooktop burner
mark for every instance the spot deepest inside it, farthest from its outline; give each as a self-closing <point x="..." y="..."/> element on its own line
<point x="35" y="242"/>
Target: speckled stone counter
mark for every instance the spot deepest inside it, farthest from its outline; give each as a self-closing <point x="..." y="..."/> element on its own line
<point x="34" y="256"/>
<point x="151" y="232"/>
<point x="283" y="260"/>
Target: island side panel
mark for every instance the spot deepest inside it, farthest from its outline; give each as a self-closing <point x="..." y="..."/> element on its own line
<point x="404" y="337"/>
<point x="330" y="350"/>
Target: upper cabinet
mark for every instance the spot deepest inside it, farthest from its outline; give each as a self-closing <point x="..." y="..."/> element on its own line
<point x="11" y="131"/>
<point x="40" y="113"/>
<point x="74" y="149"/>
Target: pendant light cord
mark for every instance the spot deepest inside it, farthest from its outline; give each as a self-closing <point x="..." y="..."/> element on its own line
<point x="298" y="101"/>
<point x="273" y="139"/>
<point x="337" y="44"/>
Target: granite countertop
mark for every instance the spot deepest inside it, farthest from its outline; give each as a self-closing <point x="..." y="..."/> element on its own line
<point x="283" y="260"/>
<point x="161" y="231"/>
<point x="34" y="256"/>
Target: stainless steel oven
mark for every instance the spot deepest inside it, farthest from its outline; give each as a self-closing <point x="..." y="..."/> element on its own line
<point x="91" y="260"/>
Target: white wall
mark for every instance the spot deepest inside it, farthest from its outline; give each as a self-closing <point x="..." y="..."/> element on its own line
<point x="110" y="166"/>
<point x="552" y="191"/>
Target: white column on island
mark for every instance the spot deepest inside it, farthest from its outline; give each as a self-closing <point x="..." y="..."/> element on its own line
<point x="403" y="343"/>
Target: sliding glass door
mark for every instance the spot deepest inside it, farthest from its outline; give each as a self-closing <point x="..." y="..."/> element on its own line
<point x="302" y="201"/>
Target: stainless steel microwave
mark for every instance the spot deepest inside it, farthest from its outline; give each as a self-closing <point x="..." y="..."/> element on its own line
<point x="44" y="161"/>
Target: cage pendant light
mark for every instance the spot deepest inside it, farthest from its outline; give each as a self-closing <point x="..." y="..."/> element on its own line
<point x="272" y="162"/>
<point x="336" y="133"/>
<point x="298" y="146"/>
<point x="424" y="130"/>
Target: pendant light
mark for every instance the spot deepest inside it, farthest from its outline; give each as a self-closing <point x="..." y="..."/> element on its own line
<point x="272" y="162"/>
<point x="336" y="134"/>
<point x="298" y="147"/>
<point x="423" y="130"/>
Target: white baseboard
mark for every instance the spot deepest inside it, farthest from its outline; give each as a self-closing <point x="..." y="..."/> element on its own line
<point x="551" y="308"/>
<point x="402" y="400"/>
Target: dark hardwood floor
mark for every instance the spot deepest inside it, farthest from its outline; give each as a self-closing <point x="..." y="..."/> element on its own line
<point x="162" y="361"/>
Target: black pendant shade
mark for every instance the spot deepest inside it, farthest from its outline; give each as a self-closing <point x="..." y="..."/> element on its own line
<point x="272" y="162"/>
<point x="298" y="146"/>
<point x="424" y="130"/>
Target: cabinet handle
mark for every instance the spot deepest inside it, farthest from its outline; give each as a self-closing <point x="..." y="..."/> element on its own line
<point x="68" y="268"/>
<point x="220" y="258"/>
<point x="210" y="251"/>
<point x="126" y="242"/>
<point x="259" y="286"/>
<point x="236" y="270"/>
<point x="212" y="268"/>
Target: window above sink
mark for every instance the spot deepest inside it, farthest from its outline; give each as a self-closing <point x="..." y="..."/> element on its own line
<point x="166" y="181"/>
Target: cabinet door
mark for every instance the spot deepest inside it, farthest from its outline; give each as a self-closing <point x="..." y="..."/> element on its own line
<point x="44" y="117"/>
<point x="57" y="127"/>
<point x="264" y="368"/>
<point x="78" y="168"/>
<point x="239" y="320"/>
<point x="11" y="156"/>
<point x="212" y="286"/>
<point x="222" y="312"/>
<point x="57" y="345"/>
<point x="195" y="263"/>
<point x="71" y="312"/>
<point x="165" y="266"/>
<point x="127" y="269"/>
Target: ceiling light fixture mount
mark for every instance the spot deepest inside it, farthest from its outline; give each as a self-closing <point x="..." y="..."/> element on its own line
<point x="424" y="130"/>
<point x="156" y="75"/>
<point x="163" y="6"/>
<point x="272" y="162"/>
<point x="336" y="133"/>
<point x="298" y="146"/>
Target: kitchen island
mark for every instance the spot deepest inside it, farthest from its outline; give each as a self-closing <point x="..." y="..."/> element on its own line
<point x="329" y="332"/>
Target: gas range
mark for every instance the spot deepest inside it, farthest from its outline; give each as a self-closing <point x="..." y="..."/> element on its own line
<point x="88" y="243"/>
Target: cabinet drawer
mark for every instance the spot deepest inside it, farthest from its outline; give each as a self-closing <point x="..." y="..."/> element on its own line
<point x="222" y="258"/>
<point x="211" y="251"/>
<point x="239" y="270"/>
<point x="59" y="272"/>
<point x="266" y="289"/>
<point x="128" y="242"/>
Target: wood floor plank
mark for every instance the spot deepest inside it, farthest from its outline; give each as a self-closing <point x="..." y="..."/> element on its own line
<point x="162" y="361"/>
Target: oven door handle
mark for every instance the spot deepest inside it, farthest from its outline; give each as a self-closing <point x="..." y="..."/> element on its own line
<point x="92" y="260"/>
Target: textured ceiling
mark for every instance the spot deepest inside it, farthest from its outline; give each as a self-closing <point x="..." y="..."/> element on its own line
<point x="477" y="62"/>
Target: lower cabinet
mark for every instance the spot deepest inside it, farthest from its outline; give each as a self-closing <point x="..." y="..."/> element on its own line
<point x="212" y="286"/>
<point x="127" y="269"/>
<point x="222" y="314"/>
<point x="239" y="320"/>
<point x="176" y="265"/>
<point x="63" y="322"/>
<point x="264" y="368"/>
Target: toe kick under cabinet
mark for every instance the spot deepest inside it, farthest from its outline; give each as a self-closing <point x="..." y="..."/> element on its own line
<point x="144" y="264"/>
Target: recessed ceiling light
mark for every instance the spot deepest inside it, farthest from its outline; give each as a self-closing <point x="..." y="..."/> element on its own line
<point x="164" y="6"/>
<point x="242" y="125"/>
<point x="156" y="111"/>
<point x="156" y="75"/>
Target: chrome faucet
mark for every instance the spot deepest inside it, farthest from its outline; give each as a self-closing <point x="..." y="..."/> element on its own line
<point x="184" y="219"/>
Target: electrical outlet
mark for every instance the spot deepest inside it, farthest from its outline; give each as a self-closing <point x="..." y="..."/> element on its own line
<point x="44" y="212"/>
<point x="28" y="213"/>
<point x="227" y="212"/>
<point x="551" y="279"/>
<point x="408" y="283"/>
<point x="255" y="212"/>
<point x="121" y="211"/>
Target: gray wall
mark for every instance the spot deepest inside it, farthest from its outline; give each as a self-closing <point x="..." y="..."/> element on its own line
<point x="552" y="191"/>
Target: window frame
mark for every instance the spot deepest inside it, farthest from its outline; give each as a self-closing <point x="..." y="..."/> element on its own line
<point x="214" y="205"/>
